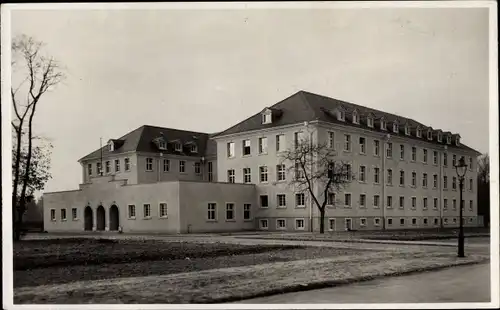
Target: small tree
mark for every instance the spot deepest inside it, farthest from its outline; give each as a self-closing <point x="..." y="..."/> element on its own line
<point x="315" y="167"/>
<point x="483" y="187"/>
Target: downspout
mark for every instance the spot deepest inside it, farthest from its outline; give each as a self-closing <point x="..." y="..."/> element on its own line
<point x="383" y="185"/>
<point x="441" y="168"/>
<point x="159" y="160"/>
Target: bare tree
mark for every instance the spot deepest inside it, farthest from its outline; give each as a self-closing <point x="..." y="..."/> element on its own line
<point x="483" y="187"/>
<point x="39" y="74"/>
<point x="315" y="167"/>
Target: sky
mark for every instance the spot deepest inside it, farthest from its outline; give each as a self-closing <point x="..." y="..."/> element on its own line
<point x="206" y="70"/>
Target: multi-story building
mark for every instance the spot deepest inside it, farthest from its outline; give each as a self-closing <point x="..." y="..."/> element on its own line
<point x="405" y="175"/>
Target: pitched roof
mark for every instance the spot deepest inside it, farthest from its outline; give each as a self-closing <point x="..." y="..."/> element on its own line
<point x="141" y="140"/>
<point x="305" y="106"/>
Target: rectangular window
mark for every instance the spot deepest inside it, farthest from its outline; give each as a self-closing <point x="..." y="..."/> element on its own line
<point x="389" y="221"/>
<point x="182" y="166"/>
<point x="74" y="214"/>
<point x="376" y="175"/>
<point x="401" y="222"/>
<point x="108" y="166"/>
<point x="347" y="200"/>
<point x="230" y="149"/>
<point x="127" y="164"/>
<point x="424" y="180"/>
<point x="280" y="224"/>
<point x="229" y="211"/>
<point x="197" y="168"/>
<point x="413" y="154"/>
<point x="362" y="145"/>
<point x="389" y="176"/>
<point x="131" y="211"/>
<point x="280" y="143"/>
<point x="376" y="147"/>
<point x="413" y="203"/>
<point x="435" y="157"/>
<point x="210" y="172"/>
<point x="246" y="147"/>
<point x="434" y="181"/>
<point x="454" y="183"/>
<point x="147" y="210"/>
<point x="362" y="173"/>
<point x="362" y="222"/>
<point x="471" y="184"/>
<point x="89" y="169"/>
<point x="264" y="224"/>
<point x="211" y="215"/>
<point x="454" y="204"/>
<point x="425" y="221"/>
<point x="99" y="168"/>
<point x="402" y="152"/>
<point x="166" y="165"/>
<point x="389" y="202"/>
<point x="376" y="221"/>
<point x="362" y="201"/>
<point x="401" y="202"/>
<point x="445" y="204"/>
<point x="435" y="203"/>
<point x="230" y="176"/>
<point x="299" y="224"/>
<point x="117" y="165"/>
<point x="414" y="221"/>
<point x="163" y="209"/>
<point x="376" y="201"/>
<point x="247" y="211"/>
<point x="263" y="145"/>
<point x="296" y="139"/>
<point x="470" y="163"/>
<point x="280" y="172"/>
<point x="401" y="178"/>
<point x="247" y="175"/>
<point x="263" y="174"/>
<point x="299" y="171"/>
<point x="347" y="143"/>
<point x="414" y="179"/>
<point x="454" y="160"/>
<point x="471" y="205"/>
<point x="264" y="201"/>
<point x="149" y="164"/>
<point x="63" y="214"/>
<point x="300" y="200"/>
<point x="445" y="182"/>
<point x="425" y="156"/>
<point x="389" y="150"/>
<point x="331" y="139"/>
<point x="445" y="159"/>
<point x="331" y="224"/>
<point x="281" y="200"/>
<point x="425" y="203"/>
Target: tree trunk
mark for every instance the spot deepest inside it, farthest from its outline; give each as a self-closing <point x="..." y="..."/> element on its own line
<point x="322" y="221"/>
<point x="16" y="169"/>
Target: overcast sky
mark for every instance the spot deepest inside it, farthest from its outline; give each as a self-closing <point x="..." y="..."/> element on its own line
<point x="206" y="70"/>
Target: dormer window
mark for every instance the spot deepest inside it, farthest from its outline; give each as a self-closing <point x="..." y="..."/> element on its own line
<point x="448" y="139"/>
<point x="439" y="137"/>
<point x="341" y="115"/>
<point x="162" y="145"/>
<point x="266" y="118"/>
<point x="419" y="132"/>
<point x="383" y="125"/>
<point x="355" y="117"/>
<point x="111" y="146"/>
<point x="369" y="121"/>
<point x="429" y="135"/>
<point x="407" y="130"/>
<point x="457" y="141"/>
<point x="177" y="147"/>
<point x="193" y="148"/>
<point x="395" y="127"/>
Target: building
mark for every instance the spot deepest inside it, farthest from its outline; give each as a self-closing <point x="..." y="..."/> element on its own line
<point x="236" y="179"/>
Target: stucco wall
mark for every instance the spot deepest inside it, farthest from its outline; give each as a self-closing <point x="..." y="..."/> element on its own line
<point x="130" y="175"/>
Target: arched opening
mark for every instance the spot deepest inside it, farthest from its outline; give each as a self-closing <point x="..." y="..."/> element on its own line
<point x="114" y="218"/>
<point x="101" y="218"/>
<point x="88" y="218"/>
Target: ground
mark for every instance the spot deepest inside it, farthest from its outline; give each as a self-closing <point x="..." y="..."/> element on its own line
<point x="216" y="268"/>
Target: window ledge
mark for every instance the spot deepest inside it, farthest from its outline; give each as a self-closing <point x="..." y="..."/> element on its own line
<point x="248" y="220"/>
<point x="63" y="220"/>
<point x="164" y="217"/>
<point x="212" y="221"/>
<point x="230" y="220"/>
<point x="132" y="218"/>
<point x="300" y="207"/>
<point x="147" y="218"/>
<point x="75" y="220"/>
<point x="264" y="207"/>
<point x="281" y="207"/>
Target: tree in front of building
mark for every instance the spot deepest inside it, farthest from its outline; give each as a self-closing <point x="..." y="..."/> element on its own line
<point x="316" y="170"/>
<point x="483" y="187"/>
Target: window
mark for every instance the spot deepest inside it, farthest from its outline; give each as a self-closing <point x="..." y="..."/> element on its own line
<point x="454" y="183"/>
<point x="63" y="214"/>
<point x="424" y="180"/>
<point x="454" y="204"/>
<point x="413" y="153"/>
<point x="264" y="201"/>
<point x="263" y="145"/>
<point x="178" y="147"/>
<point x="439" y="137"/>
<point x="471" y="205"/>
<point x="281" y="200"/>
<point x="299" y="172"/>
<point x="166" y="165"/>
<point x="389" y="176"/>
<point x="229" y="211"/>
<point x="389" y="221"/>
<point x="162" y="145"/>
<point x="362" y="173"/>
<point x="395" y="128"/>
<point x="347" y="200"/>
<point x="127" y="164"/>
<point x="246" y="147"/>
<point x="429" y="135"/>
<point x="347" y="143"/>
<point x="163" y="209"/>
<point x="299" y="224"/>
<point x="331" y="224"/>
<point x="470" y="163"/>
<point x="263" y="174"/>
<point x="247" y="212"/>
<point x="425" y="221"/>
<point x="401" y="222"/>
<point x="401" y="152"/>
<point x="149" y="164"/>
<point x="362" y="201"/>
<point x="266" y="118"/>
<point x="355" y="118"/>
<point x="471" y="184"/>
<point x="425" y="156"/>
<point x="362" y="145"/>
<point x="414" y="179"/>
<point x="376" y="147"/>
<point x="146" y="210"/>
<point x="89" y="169"/>
<point x="435" y="203"/>
<point x="197" y="168"/>
<point x="407" y="130"/>
<point x="448" y="139"/>
<point x="230" y="176"/>
<point x="281" y="172"/>
<point x="389" y="150"/>
<point x="369" y="121"/>
<point x="445" y="204"/>
<point x="383" y="124"/>
<point x="454" y="220"/>
<point x="435" y="157"/>
<point x="131" y="211"/>
<point x="414" y="221"/>
<point x="211" y="215"/>
<point x="194" y="148"/>
<point x="445" y="182"/>
<point x="280" y="224"/>
<point x="331" y="139"/>
<point x="330" y="200"/>
<point x="296" y="138"/>
<point x="108" y="166"/>
<point x="419" y="132"/>
<point x="230" y="149"/>
<point x="376" y="175"/>
<point x="413" y="203"/>
<point x="340" y="115"/>
<point x="445" y="159"/>
<point x="454" y="161"/>
<point x="376" y="221"/>
<point x="362" y="222"/>
<point x="111" y="146"/>
<point x="182" y="166"/>
<point x="263" y="224"/>
<point x="210" y="172"/>
<point x="401" y="178"/>
<point x="389" y="202"/>
<point x="434" y="181"/>
<point x="247" y="176"/>
<point x="425" y="203"/>
<point x="376" y="201"/>
<point x="401" y="202"/>
<point x="300" y="200"/>
<point x="280" y="143"/>
<point x="74" y="214"/>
